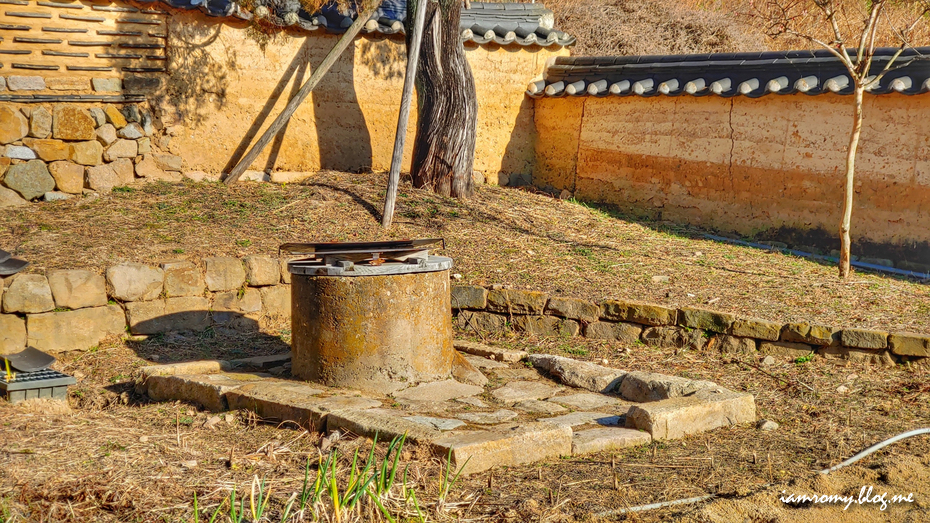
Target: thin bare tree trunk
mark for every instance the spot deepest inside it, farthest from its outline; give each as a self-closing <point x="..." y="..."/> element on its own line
<point x="850" y="181"/>
<point x="447" y="119"/>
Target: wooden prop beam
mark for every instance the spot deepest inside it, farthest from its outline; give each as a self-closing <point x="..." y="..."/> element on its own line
<point x="413" y="56"/>
<point x="301" y="95"/>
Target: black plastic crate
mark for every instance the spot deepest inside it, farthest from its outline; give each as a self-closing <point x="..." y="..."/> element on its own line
<point x="45" y="383"/>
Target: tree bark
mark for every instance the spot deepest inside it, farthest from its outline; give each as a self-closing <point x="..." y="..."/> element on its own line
<point x="850" y="180"/>
<point x="447" y="106"/>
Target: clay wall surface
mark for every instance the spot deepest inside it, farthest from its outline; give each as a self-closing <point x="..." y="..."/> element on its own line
<point x="225" y="90"/>
<point x="748" y="166"/>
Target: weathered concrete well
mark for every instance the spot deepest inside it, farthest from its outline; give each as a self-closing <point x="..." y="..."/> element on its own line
<point x="372" y="328"/>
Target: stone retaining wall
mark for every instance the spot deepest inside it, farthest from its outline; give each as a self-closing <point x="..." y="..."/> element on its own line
<point x="54" y="151"/>
<point x="76" y="309"/>
<point x="499" y="310"/>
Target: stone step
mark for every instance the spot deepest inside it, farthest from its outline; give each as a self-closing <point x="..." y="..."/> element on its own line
<point x="597" y="440"/>
<point x="292" y="401"/>
<point x="506" y="445"/>
<point x="700" y="412"/>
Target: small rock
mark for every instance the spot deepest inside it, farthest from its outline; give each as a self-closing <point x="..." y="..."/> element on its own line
<point x="488" y="418"/>
<point x="143" y="439"/>
<point x="98" y="115"/>
<point x="565" y="195"/>
<point x="115" y="117"/>
<point x="456" y="276"/>
<point x="106" y="134"/>
<point x="40" y="123"/>
<point x="842" y="389"/>
<point x="852" y="377"/>
<point x="133" y="131"/>
<point x="211" y="422"/>
<point x="132" y="114"/>
<point x="54" y="196"/>
<point x="230" y="418"/>
<point x="660" y="279"/>
<point x="19" y="152"/>
<point x="767" y="425"/>
<point x="189" y="464"/>
<point x="768" y="360"/>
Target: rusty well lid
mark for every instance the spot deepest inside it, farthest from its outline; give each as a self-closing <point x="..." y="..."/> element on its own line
<point x="366" y="258"/>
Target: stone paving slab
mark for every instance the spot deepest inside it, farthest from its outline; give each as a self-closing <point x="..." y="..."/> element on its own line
<point x="473" y="401"/>
<point x="294" y="401"/>
<point x="700" y="412"/>
<point x="515" y="374"/>
<point x="580" y="374"/>
<point x="439" y="391"/>
<point x="506" y="445"/>
<point x="187" y="367"/>
<point x="442" y="424"/>
<point x="518" y="391"/>
<point x="207" y="390"/>
<point x="540" y="407"/>
<point x="649" y="386"/>
<point x="486" y="351"/>
<point x="584" y="418"/>
<point x="483" y="363"/>
<point x="588" y="401"/>
<point x="384" y="423"/>
<point x="598" y="440"/>
<point x="488" y="418"/>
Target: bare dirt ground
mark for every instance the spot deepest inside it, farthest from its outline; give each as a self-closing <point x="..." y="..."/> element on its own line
<point x="501" y="236"/>
<point x="115" y="456"/>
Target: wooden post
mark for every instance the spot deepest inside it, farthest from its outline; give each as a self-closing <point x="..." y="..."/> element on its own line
<point x="301" y="95"/>
<point x="413" y="56"/>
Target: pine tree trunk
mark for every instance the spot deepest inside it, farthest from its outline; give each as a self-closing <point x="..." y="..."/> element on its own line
<point x="447" y="116"/>
<point x="850" y="182"/>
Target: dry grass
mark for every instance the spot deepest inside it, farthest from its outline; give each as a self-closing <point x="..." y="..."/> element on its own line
<point x="115" y="456"/>
<point x="501" y="236"/>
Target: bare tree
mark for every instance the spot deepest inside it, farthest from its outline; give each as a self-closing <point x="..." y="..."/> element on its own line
<point x="835" y="25"/>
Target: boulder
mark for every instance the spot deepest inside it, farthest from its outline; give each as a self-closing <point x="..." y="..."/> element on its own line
<point x="106" y="134"/>
<point x="28" y="293"/>
<point x="261" y="271"/>
<point x="125" y="171"/>
<point x="168" y="162"/>
<point x="182" y="278"/>
<point x="50" y="150"/>
<point x="101" y="178"/>
<point x="12" y="334"/>
<point x="224" y="273"/>
<point x="56" y="196"/>
<point x="276" y="301"/>
<point x="132" y="131"/>
<point x="115" y="117"/>
<point x="134" y="281"/>
<point x="71" y="122"/>
<point x="147" y="168"/>
<point x="87" y="153"/>
<point x="69" y="176"/>
<point x="121" y="149"/>
<point x="10" y="198"/>
<point x="31" y="179"/>
<point x="74" y="330"/>
<point x="40" y="123"/>
<point x="77" y="289"/>
<point x="13" y="125"/>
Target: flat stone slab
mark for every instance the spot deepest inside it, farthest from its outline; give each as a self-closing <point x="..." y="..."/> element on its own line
<point x="483" y="363"/>
<point x="540" y="407"/>
<point x="439" y="391"/>
<point x="581" y="374"/>
<point x="383" y="423"/>
<point x="473" y="401"/>
<point x="486" y="351"/>
<point x="587" y="401"/>
<point x="515" y="374"/>
<point x="584" y="418"/>
<point x="187" y="367"/>
<point x="261" y="362"/>
<point x="430" y="407"/>
<point x="436" y="423"/>
<point x="506" y="445"/>
<point x="649" y="386"/>
<point x="297" y="402"/>
<point x="207" y="390"/>
<point x="488" y="418"/>
<point x="700" y="412"/>
<point x="597" y="440"/>
<point x="518" y="391"/>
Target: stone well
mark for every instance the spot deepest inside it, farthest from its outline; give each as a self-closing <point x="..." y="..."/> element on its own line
<point x="376" y="328"/>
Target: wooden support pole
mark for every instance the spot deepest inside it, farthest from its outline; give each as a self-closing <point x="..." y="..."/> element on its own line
<point x="413" y="56"/>
<point x="301" y="95"/>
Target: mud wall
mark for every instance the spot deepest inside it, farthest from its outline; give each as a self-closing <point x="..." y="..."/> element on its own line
<point x="225" y="90"/>
<point x="770" y="167"/>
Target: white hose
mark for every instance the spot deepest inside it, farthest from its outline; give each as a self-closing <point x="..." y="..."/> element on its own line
<point x="877" y="446"/>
